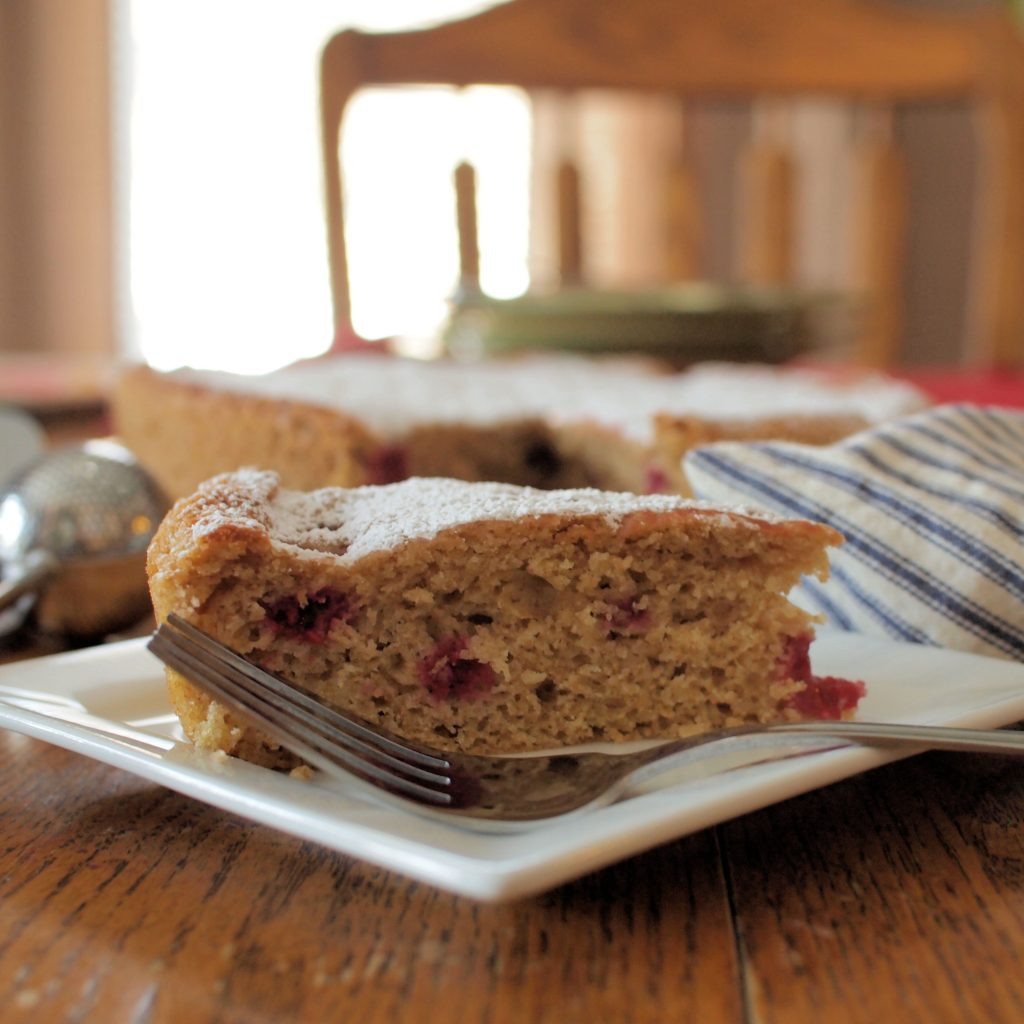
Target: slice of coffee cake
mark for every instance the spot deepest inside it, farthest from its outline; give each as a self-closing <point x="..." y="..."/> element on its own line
<point x="489" y="617"/>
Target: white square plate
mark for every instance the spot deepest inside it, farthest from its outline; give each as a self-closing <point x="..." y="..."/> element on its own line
<point x="109" y="704"/>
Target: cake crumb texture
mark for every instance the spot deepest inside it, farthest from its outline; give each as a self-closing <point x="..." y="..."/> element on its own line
<point x="490" y="617"/>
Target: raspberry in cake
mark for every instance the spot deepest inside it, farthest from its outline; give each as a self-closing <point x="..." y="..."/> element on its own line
<point x="496" y="618"/>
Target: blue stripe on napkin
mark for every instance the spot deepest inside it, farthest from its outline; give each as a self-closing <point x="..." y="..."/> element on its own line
<point x="932" y="509"/>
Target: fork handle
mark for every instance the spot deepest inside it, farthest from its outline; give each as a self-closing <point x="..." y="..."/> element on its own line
<point x="787" y="739"/>
<point x="898" y="734"/>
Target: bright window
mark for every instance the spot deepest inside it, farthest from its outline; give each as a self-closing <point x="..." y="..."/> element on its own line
<point x="225" y="262"/>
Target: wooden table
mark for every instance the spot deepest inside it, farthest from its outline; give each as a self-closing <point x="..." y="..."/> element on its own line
<point x="894" y="896"/>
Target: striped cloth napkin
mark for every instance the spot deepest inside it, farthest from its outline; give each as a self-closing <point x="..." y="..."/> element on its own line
<point x="932" y="509"/>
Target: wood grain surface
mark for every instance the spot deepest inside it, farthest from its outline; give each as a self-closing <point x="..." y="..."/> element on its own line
<point x="897" y="895"/>
<point x="122" y="901"/>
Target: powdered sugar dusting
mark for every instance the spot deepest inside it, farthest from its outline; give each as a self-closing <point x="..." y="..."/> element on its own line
<point x="238" y="499"/>
<point x="354" y="522"/>
<point x="393" y="396"/>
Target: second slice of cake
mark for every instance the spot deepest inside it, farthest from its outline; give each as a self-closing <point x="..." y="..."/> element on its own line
<point x="488" y="617"/>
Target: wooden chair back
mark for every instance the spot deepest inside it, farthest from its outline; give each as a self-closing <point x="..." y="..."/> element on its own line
<point x="866" y="52"/>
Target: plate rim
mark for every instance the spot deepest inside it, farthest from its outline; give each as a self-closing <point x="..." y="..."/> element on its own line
<point x="487" y="867"/>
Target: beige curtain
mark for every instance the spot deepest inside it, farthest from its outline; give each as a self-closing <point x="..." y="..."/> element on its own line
<point x="56" y="194"/>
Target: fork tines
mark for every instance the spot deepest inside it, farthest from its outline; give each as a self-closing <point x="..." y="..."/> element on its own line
<point x="318" y="734"/>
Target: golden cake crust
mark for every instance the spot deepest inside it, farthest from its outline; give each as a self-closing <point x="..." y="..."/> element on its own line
<point x="185" y="433"/>
<point x="542" y="423"/>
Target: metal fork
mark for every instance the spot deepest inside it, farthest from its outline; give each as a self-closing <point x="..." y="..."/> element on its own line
<point x="496" y="791"/>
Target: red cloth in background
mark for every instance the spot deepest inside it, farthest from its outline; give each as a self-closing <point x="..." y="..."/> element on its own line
<point x="980" y="387"/>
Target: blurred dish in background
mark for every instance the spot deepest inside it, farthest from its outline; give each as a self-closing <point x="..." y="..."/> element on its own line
<point x="681" y="325"/>
<point x="21" y="441"/>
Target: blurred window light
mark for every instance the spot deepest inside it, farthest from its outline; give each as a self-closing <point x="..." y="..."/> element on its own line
<point x="224" y="260"/>
<point x="399" y="151"/>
